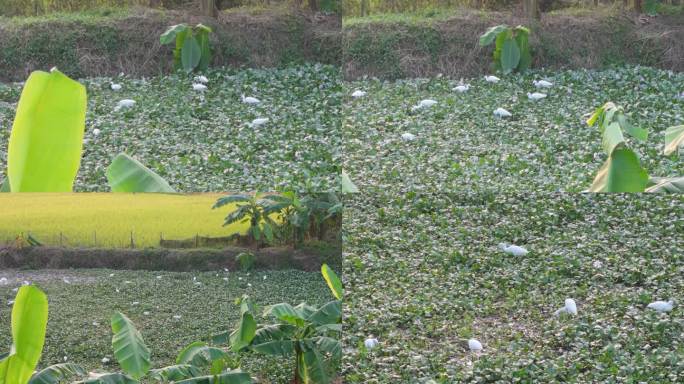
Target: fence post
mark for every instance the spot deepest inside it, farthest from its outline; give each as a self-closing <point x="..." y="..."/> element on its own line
<point x="132" y="243"/>
<point x="197" y="240"/>
<point x="95" y="236"/>
<point x="61" y="239"/>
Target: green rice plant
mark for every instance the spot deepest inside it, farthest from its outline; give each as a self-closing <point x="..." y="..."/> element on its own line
<point x="309" y="333"/>
<point x="245" y="260"/>
<point x="29" y="322"/>
<point x="622" y="171"/>
<point x="192" y="49"/>
<point x="511" y="48"/>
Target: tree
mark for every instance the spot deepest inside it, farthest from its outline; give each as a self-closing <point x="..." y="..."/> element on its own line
<point x="531" y="8"/>
<point x="313" y="5"/>
<point x="209" y="8"/>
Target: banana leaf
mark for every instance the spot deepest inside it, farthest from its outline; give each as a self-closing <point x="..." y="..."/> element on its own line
<point x="126" y="174"/>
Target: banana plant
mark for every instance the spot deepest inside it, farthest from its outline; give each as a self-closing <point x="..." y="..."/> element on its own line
<point x="254" y="209"/>
<point x="347" y="185"/>
<point x="192" y="49"/>
<point x="195" y="364"/>
<point x="46" y="142"/>
<point x="309" y="334"/>
<point x="622" y="171"/>
<point x="29" y="322"/>
<point x="511" y="47"/>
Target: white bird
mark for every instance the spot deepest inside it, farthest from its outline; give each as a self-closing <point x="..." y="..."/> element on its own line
<point x="125" y="103"/>
<point x="250" y="100"/>
<point x="199" y="87"/>
<point x="201" y="79"/>
<point x="177" y="317"/>
<point x="358" y="93"/>
<point x="462" y="88"/>
<point x="115" y="87"/>
<point x="371" y="343"/>
<point x="569" y="307"/>
<point x="105" y="360"/>
<point x="258" y="122"/>
<point x="491" y="79"/>
<point x="542" y="84"/>
<point x="408" y="136"/>
<point x="501" y="113"/>
<point x="427" y="103"/>
<point x="3" y="281"/>
<point x="662" y="306"/>
<point x="536" y="96"/>
<point x="474" y="345"/>
<point x="96" y="132"/>
<point x="513" y="249"/>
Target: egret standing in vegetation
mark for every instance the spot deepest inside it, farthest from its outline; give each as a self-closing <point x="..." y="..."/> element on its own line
<point x="199" y="87"/>
<point x="358" y="93"/>
<point x="542" y="84"/>
<point x="371" y="343"/>
<point x="535" y="96"/>
<point x="462" y="88"/>
<point x="569" y="307"/>
<point x="125" y="103"/>
<point x="201" y="79"/>
<point x="662" y="306"/>
<point x="258" y="122"/>
<point x="474" y="345"/>
<point x="513" y="249"/>
<point x="427" y="103"/>
<point x="250" y="100"/>
<point x="501" y="113"/>
<point x="492" y="79"/>
<point x="407" y="136"/>
<point x="115" y="87"/>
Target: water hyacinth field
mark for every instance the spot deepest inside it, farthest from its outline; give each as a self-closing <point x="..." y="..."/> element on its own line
<point x="545" y="145"/>
<point x="209" y="140"/>
<point x="425" y="274"/>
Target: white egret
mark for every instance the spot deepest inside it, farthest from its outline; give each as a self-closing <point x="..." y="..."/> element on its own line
<point x="371" y="343"/>
<point x="105" y="360"/>
<point x="662" y="306"/>
<point x="474" y="345"/>
<point x="250" y="100"/>
<point x="427" y="103"/>
<point x="199" y="87"/>
<point x="358" y="93"/>
<point x="408" y="136"/>
<point x="258" y="122"/>
<point x="492" y="79"/>
<point x="462" y="88"/>
<point x="535" y="96"/>
<point x="513" y="249"/>
<point x="96" y="132"/>
<point x="569" y="307"/>
<point x="115" y="87"/>
<point x="201" y="79"/>
<point x="125" y="103"/>
<point x="542" y="84"/>
<point x="501" y="113"/>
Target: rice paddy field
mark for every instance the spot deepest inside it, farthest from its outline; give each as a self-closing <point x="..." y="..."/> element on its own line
<point x="171" y="310"/>
<point x="205" y="141"/>
<point x="108" y="219"/>
<point x="424" y="274"/>
<point x="545" y="146"/>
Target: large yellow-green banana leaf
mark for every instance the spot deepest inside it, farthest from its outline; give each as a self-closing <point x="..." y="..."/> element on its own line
<point x="126" y="174"/>
<point x="46" y="142"/>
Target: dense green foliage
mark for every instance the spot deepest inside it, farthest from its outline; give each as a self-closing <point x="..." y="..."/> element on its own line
<point x="191" y="51"/>
<point x="511" y="47"/>
<point x="424" y="275"/>
<point x="544" y="146"/>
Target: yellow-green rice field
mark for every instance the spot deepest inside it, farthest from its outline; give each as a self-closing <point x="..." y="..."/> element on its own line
<point x="108" y="219"/>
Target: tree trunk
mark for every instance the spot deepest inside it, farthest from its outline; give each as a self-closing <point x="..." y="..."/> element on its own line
<point x="637" y="6"/>
<point x="364" y="8"/>
<point x="155" y="3"/>
<point x="313" y="5"/>
<point x="208" y="8"/>
<point x="531" y="8"/>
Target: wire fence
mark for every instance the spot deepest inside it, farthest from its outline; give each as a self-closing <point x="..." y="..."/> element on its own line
<point x="130" y="240"/>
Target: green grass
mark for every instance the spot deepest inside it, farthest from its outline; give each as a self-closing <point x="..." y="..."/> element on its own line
<point x="424" y="274"/>
<point x="421" y="17"/>
<point x="93" y="16"/>
<point x="545" y="146"/>
<point x="79" y="312"/>
<point x="107" y="219"/>
<point x="202" y="142"/>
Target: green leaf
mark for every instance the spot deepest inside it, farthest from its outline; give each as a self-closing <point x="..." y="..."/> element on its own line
<point x="170" y="34"/>
<point x="329" y="313"/>
<point x="622" y="172"/>
<point x="667" y="184"/>
<point x="522" y="39"/>
<point x="46" y="142"/>
<point x="312" y="368"/>
<point x="175" y="372"/>
<point x="129" y="348"/>
<point x="55" y="374"/>
<point x="595" y="116"/>
<point x="199" y="354"/>
<point x="274" y="340"/>
<point x="612" y="137"/>
<point x="191" y="53"/>
<point x="491" y="34"/>
<point x="510" y="55"/>
<point x="347" y="185"/>
<point x="636" y="132"/>
<point x="126" y="174"/>
<point x="242" y="336"/>
<point x="231" y="377"/>
<point x="287" y="313"/>
<point x="333" y="281"/>
<point x="268" y="232"/>
<point x="674" y="138"/>
<point x="205" y="50"/>
<point x="29" y="321"/>
<point x="236" y="198"/>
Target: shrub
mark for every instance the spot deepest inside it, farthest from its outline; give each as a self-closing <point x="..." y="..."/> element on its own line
<point x="511" y="50"/>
